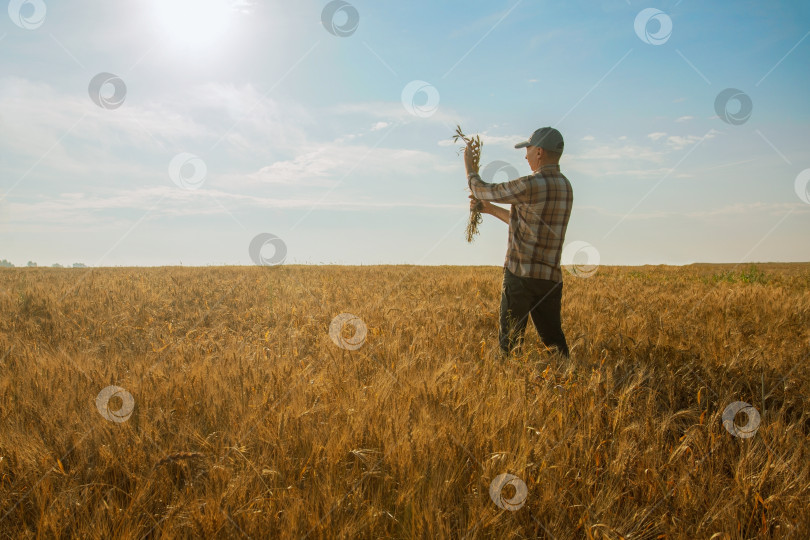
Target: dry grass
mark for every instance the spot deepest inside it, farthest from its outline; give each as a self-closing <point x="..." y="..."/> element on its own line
<point x="250" y="422"/>
<point x="475" y="145"/>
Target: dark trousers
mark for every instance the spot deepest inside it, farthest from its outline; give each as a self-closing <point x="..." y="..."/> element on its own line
<point x="522" y="296"/>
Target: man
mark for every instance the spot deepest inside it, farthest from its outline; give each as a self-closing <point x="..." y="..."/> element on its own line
<point x="541" y="206"/>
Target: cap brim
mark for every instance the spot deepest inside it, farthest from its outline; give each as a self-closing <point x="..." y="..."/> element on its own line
<point x="523" y="144"/>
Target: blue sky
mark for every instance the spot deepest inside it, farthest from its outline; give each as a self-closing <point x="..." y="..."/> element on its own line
<point x="289" y="129"/>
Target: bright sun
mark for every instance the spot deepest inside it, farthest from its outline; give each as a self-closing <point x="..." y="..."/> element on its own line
<point x="194" y="23"/>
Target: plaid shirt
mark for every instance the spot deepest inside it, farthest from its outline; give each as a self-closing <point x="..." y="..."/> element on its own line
<point x="541" y="205"/>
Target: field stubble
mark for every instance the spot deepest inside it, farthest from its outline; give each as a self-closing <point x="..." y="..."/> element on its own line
<point x="249" y="421"/>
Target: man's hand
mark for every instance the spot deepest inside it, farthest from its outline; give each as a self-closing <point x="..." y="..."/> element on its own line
<point x="468" y="160"/>
<point x="486" y="206"/>
<point x="491" y="209"/>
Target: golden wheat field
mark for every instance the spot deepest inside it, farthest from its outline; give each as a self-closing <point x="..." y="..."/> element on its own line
<point x="248" y="420"/>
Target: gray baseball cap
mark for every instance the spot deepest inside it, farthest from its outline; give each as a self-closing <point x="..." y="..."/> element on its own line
<point x="547" y="138"/>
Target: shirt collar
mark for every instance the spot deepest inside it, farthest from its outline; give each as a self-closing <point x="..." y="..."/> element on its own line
<point x="549" y="167"/>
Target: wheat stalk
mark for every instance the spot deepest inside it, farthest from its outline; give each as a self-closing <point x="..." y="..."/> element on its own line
<point x="475" y="213"/>
<point x="171" y="458"/>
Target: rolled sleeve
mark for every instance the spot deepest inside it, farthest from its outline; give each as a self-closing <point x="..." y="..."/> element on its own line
<point x="518" y="191"/>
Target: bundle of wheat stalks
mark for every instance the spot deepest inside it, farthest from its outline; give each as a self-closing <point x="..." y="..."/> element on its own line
<point x="475" y="213"/>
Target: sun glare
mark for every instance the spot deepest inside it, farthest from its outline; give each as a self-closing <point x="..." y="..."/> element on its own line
<point x="194" y="23"/>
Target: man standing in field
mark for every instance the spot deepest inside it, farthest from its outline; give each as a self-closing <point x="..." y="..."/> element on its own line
<point x="541" y="206"/>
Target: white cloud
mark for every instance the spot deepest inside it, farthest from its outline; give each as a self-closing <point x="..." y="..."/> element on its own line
<point x="506" y="141"/>
<point x="239" y="120"/>
<point x="684" y="118"/>
<point x="348" y="137"/>
<point x="243" y="6"/>
<point x="87" y="209"/>
<point x="245" y="140"/>
<point x="626" y="158"/>
<point x="588" y="138"/>
<point x="330" y="163"/>
<point x="616" y="159"/>
<point x="302" y="169"/>
<point x="394" y="111"/>
<point x="619" y="152"/>
<point x="677" y="142"/>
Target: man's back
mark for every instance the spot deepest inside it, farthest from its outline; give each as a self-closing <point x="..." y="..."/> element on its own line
<point x="537" y="225"/>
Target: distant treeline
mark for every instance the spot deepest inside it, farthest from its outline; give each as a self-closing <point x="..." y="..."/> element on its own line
<point x="31" y="264"/>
